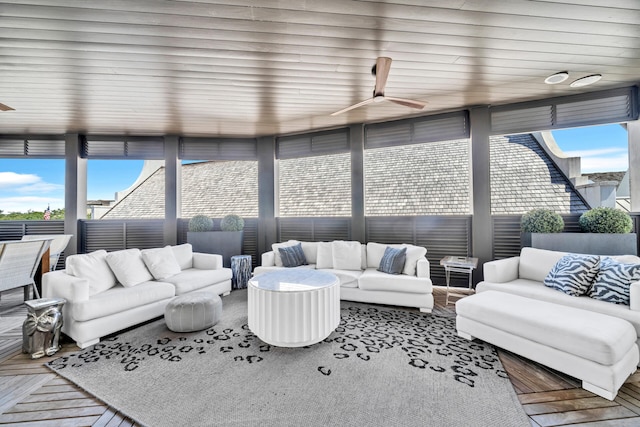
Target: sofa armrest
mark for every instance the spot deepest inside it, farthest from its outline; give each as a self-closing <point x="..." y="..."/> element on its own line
<point x="502" y="270"/>
<point x="268" y="259"/>
<point x="634" y="296"/>
<point x="207" y="261"/>
<point x="423" y="268"/>
<point x="58" y="284"/>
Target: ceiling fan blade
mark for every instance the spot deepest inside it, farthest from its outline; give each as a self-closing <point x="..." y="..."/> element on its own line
<point x="407" y="102"/>
<point x="359" y="104"/>
<point x="383" y="65"/>
<point x="4" y="107"/>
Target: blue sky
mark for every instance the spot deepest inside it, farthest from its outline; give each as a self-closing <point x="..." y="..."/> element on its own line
<point x="27" y="184"/>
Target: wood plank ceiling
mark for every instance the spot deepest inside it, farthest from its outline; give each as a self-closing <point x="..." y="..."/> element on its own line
<point x="264" y="67"/>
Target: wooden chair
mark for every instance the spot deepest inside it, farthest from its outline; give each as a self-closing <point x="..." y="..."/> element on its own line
<point x="19" y="261"/>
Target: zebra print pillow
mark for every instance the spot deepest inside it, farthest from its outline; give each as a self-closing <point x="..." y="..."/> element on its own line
<point x="614" y="280"/>
<point x="573" y="274"/>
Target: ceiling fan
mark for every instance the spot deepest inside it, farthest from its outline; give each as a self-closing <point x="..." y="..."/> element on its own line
<point x="381" y="71"/>
<point x="4" y="107"/>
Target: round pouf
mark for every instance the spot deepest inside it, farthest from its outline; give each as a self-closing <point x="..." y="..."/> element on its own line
<point x="193" y="312"/>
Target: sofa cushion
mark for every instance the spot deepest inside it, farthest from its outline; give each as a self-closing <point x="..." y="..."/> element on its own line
<point x="161" y="262"/>
<point x="613" y="281"/>
<point x="192" y="279"/>
<point x="375" y="280"/>
<point x="292" y="256"/>
<point x="325" y="255"/>
<point x="346" y="255"/>
<point x="347" y="278"/>
<point x="536" y="290"/>
<point x="573" y="274"/>
<point x="119" y="299"/>
<point x="184" y="255"/>
<point x="535" y="264"/>
<point x="128" y="267"/>
<point x="276" y="252"/>
<point x="94" y="268"/>
<point x="392" y="261"/>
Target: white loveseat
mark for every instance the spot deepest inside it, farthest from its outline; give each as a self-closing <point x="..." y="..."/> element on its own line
<point x="524" y="276"/>
<point x="356" y="265"/>
<point x="108" y="292"/>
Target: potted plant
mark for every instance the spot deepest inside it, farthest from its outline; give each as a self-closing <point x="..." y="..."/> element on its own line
<point x="227" y="241"/>
<point x="539" y="221"/>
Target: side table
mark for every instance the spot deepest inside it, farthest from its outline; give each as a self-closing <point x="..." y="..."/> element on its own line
<point x="458" y="264"/>
<point x="41" y="328"/>
<point x="240" y="271"/>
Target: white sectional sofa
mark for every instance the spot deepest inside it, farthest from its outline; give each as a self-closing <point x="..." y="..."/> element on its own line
<point x="356" y="266"/>
<point x="524" y="276"/>
<point x="108" y="292"/>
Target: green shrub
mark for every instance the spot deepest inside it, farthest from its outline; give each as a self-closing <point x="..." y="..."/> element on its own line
<point x="541" y="221"/>
<point x="232" y="222"/>
<point x="605" y="220"/>
<point x="200" y="223"/>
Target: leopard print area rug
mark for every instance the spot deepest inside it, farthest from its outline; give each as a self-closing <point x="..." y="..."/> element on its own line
<point x="381" y="367"/>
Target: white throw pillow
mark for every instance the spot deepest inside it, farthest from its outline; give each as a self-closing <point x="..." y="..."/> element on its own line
<point x="346" y="255"/>
<point x="310" y="250"/>
<point x="325" y="255"/>
<point x="128" y="267"/>
<point x="276" y="252"/>
<point x="161" y="262"/>
<point x="94" y="268"/>
<point x="184" y="255"/>
<point x="375" y="252"/>
<point x="414" y="253"/>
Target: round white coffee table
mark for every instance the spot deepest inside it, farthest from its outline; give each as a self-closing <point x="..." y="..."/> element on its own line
<point x="293" y="308"/>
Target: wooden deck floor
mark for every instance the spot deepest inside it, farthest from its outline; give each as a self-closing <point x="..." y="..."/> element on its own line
<point x="31" y="395"/>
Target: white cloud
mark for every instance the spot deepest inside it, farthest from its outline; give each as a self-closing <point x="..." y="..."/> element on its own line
<point x="40" y="187"/>
<point x="11" y="179"/>
<point x="602" y="159"/>
<point x="596" y="152"/>
<point x="29" y="203"/>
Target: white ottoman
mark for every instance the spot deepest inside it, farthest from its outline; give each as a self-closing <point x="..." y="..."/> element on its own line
<point x="598" y="349"/>
<point x="193" y="312"/>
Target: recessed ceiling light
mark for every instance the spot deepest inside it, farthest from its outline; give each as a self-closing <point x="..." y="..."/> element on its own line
<point x="587" y="80"/>
<point x="557" y="78"/>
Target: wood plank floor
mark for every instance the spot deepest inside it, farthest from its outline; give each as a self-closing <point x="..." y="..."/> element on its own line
<point x="33" y="396"/>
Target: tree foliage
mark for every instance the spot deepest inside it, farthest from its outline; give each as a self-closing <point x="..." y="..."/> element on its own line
<point x="30" y="215"/>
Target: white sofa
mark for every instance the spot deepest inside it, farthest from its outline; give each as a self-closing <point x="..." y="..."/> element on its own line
<point x="524" y="276"/>
<point x="108" y="292"/>
<point x="356" y="265"/>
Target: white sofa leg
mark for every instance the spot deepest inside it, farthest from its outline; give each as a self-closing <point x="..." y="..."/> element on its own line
<point x="88" y="343"/>
<point x="599" y="391"/>
<point x="226" y="293"/>
<point x="465" y="335"/>
<point x="425" y="310"/>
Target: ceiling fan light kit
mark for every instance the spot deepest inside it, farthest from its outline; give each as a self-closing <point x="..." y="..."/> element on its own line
<point x="381" y="71"/>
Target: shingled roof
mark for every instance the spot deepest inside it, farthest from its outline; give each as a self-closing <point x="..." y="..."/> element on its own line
<point x="523" y="177"/>
<point x="419" y="179"/>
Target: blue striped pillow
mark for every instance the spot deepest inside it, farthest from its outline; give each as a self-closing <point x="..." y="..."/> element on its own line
<point x="614" y="280"/>
<point x="573" y="274"/>
<point x="292" y="256"/>
<point x="392" y="261"/>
